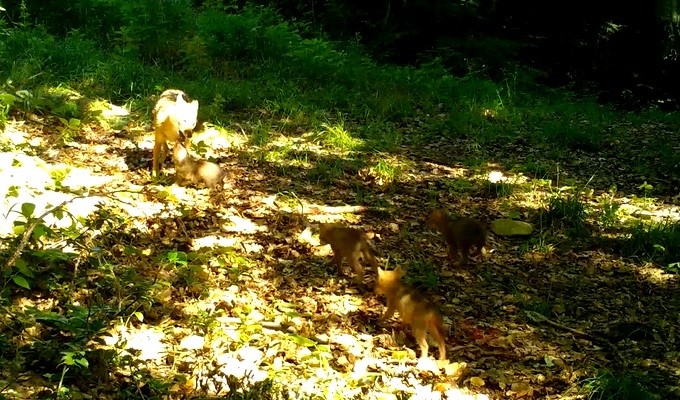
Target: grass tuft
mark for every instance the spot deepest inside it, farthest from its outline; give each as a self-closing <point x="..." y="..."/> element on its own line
<point x="609" y="386"/>
<point x="568" y="212"/>
<point x="658" y="241"/>
<point x="337" y="138"/>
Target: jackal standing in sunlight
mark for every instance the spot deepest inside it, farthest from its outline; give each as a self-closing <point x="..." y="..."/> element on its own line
<point x="173" y="114"/>
<point x="414" y="308"/>
<point x="349" y="243"/>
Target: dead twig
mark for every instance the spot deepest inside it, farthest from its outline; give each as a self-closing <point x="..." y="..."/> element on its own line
<point x="271" y="326"/>
<point x="540" y="318"/>
<point x="28" y="231"/>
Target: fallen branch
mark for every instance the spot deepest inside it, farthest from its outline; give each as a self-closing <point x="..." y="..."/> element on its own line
<point x="540" y="318"/>
<point x="31" y="227"/>
<point x="35" y="221"/>
<point x="344" y="209"/>
<point x="271" y="326"/>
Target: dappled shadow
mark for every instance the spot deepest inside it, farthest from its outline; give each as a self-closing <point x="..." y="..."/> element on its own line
<point x="249" y="239"/>
<point x="560" y="283"/>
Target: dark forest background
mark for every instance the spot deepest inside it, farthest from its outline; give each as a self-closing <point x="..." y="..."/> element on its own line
<point x="625" y="52"/>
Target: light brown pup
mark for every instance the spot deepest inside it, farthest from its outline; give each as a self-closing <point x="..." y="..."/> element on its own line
<point x="188" y="170"/>
<point x="172" y="115"/>
<point x="415" y="310"/>
<point x="460" y="234"/>
<point x="349" y="243"/>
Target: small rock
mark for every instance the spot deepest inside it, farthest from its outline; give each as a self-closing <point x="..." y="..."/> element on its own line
<point x="509" y="227"/>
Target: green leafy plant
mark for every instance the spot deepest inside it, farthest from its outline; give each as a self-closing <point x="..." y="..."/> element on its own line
<point x="320" y="352"/>
<point x="7" y="100"/>
<point x="646" y="188"/>
<point x="609" y="217"/>
<point x="610" y="386"/>
<point x="423" y="273"/>
<point x="69" y="129"/>
<point x="21" y="275"/>
<point x="497" y="189"/>
<point x="656" y="241"/>
<point x="70" y="359"/>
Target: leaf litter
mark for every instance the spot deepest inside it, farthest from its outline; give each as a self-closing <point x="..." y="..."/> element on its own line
<point x="258" y="299"/>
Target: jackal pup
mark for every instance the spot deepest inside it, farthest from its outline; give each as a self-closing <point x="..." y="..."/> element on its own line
<point x="349" y="243"/>
<point x="415" y="310"/>
<point x="173" y="114"/>
<point x="189" y="170"/>
<point x="460" y="234"/>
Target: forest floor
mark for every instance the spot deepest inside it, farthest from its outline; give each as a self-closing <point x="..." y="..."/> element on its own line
<point x="154" y="290"/>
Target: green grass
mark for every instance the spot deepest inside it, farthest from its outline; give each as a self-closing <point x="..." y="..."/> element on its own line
<point x="337" y="137"/>
<point x="497" y="189"/>
<point x="656" y="241"/>
<point x="609" y="217"/>
<point x="534" y="168"/>
<point x="257" y="61"/>
<point x="422" y="273"/>
<point x="609" y="386"/>
<point x="568" y="212"/>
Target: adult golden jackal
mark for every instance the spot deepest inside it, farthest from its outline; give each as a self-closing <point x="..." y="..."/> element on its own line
<point x="173" y="114"/>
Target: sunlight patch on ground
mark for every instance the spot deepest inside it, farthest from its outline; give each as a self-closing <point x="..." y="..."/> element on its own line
<point x="436" y="172"/>
<point x="656" y="275"/>
<point x="206" y="141"/>
<point x="322" y="250"/>
<point x="242" y="225"/>
<point x="149" y="341"/>
<point x="107" y="109"/>
<point x="108" y="115"/>
<point x="337" y="137"/>
<point x="26" y="171"/>
<point x="309" y="150"/>
<point x="659" y="212"/>
<point x="239" y="300"/>
<point x="496" y="176"/>
<point x="137" y="206"/>
<point x="387" y="169"/>
<point x="28" y="179"/>
<point x="291" y="151"/>
<point x="341" y="304"/>
<point x="350" y="343"/>
<point x="299" y="151"/>
<point x="213" y="241"/>
<point x="14" y="137"/>
<point x="64" y="92"/>
<point x="180" y="195"/>
<point x="77" y="208"/>
<point x="146" y="141"/>
<point x="308" y="237"/>
<point x="243" y="364"/>
<point x="79" y="178"/>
